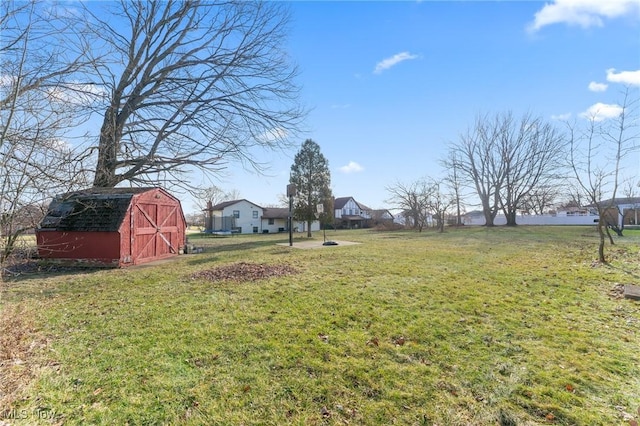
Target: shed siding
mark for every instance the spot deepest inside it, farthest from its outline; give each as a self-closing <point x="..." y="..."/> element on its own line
<point x="91" y="247"/>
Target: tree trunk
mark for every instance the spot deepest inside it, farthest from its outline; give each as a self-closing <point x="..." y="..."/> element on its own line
<point x="441" y="223"/>
<point x="601" y="258"/>
<point x="511" y="218"/>
<point x="309" y="228"/>
<point x="489" y="215"/>
<point x="110" y="135"/>
<point x="488" y="218"/>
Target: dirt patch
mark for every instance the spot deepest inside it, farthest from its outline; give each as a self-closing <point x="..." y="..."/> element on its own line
<point x="243" y="271"/>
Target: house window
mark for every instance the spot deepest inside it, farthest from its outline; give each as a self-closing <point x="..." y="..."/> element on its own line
<point x="272" y="221"/>
<point x="255" y="229"/>
<point x="236" y="214"/>
<point x="255" y="214"/>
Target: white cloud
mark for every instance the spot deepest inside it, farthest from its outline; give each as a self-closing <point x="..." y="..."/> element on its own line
<point x="561" y="117"/>
<point x="7" y="80"/>
<point x="584" y="13"/>
<point x="352" y="167"/>
<point x="387" y="63"/>
<point x="600" y="111"/>
<point x="273" y="135"/>
<point x="61" y="145"/>
<point x="624" y="77"/>
<point x="597" y="87"/>
<point x="77" y="93"/>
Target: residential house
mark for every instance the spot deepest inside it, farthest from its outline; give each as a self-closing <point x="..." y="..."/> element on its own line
<point x="622" y="211"/>
<point x="245" y="217"/>
<point x="236" y="216"/>
<point x="275" y="219"/>
<point x="351" y="214"/>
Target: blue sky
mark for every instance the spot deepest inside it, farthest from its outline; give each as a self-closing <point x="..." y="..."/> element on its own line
<point x="389" y="84"/>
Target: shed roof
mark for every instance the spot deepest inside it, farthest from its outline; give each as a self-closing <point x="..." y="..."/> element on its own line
<point x="95" y="209"/>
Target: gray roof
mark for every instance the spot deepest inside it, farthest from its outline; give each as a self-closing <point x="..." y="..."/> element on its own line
<point x="617" y="201"/>
<point x="95" y="209"/>
<point x="275" y="213"/>
<point x="225" y="204"/>
<point x="340" y="202"/>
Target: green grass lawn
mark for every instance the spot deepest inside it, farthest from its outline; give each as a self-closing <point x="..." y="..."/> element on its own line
<point x="471" y="327"/>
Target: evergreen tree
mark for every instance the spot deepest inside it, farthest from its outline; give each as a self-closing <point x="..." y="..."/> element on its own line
<point x="310" y="173"/>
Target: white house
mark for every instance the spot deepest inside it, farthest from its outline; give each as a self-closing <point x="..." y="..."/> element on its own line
<point x="245" y="217"/>
<point x="274" y="219"/>
<point x="351" y="214"/>
<point x="237" y="216"/>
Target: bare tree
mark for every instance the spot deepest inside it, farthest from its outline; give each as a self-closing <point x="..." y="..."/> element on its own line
<point x="540" y="199"/>
<point x="454" y="181"/>
<point x="40" y="99"/>
<point x="438" y="201"/>
<point x="506" y="159"/>
<point x="572" y="196"/>
<point x="413" y="199"/>
<point x="597" y="153"/>
<point x="213" y="195"/>
<point x="191" y="84"/>
<point x="206" y="197"/>
<point x="532" y="152"/>
<point x="476" y="156"/>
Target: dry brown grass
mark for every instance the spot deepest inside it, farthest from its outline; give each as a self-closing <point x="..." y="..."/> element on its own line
<point x="19" y="342"/>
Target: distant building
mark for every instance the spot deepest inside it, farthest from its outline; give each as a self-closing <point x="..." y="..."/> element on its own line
<point x="245" y="217"/>
<point x="351" y="214"/>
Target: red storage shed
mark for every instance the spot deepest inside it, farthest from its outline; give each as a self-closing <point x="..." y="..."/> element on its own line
<point x="112" y="227"/>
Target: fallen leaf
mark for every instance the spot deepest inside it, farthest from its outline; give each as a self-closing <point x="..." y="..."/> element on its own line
<point x="399" y="341"/>
<point x="550" y="417"/>
<point x="373" y="342"/>
<point x="323" y="337"/>
<point x="570" y="388"/>
<point x="244" y="271"/>
<point x="97" y="391"/>
<point x="325" y="413"/>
